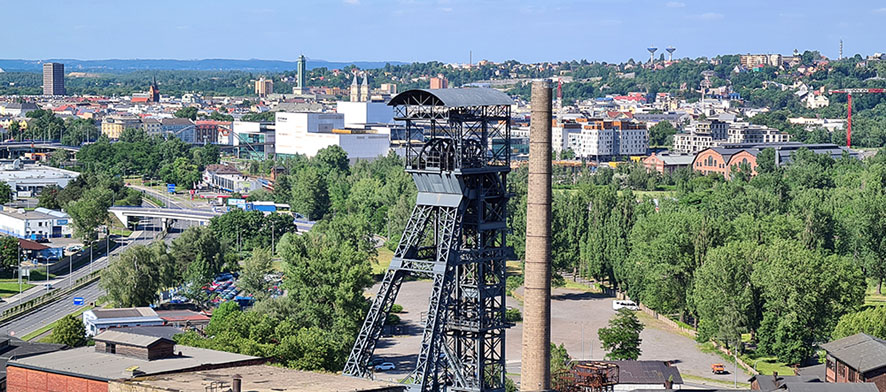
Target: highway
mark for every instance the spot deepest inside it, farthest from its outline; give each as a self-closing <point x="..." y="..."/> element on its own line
<point x="50" y="313"/>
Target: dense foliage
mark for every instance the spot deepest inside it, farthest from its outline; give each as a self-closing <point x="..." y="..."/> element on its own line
<point x="782" y="255"/>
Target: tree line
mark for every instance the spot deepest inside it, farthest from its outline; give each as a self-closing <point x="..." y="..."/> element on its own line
<point x="781" y="256"/>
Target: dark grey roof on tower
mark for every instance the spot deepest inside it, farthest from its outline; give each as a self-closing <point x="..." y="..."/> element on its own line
<point x="455" y="97"/>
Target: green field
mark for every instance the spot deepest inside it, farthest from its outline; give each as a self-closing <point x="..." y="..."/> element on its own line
<point x="872" y="298"/>
<point x="382" y="261"/>
<point x="9" y="287"/>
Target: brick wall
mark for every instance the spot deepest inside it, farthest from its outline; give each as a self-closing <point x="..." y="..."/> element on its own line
<point x="27" y="380"/>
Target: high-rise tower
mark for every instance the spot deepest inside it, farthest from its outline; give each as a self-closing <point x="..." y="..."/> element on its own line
<point x="53" y="79"/>
<point x="456" y="236"/>
<point x="301" y="89"/>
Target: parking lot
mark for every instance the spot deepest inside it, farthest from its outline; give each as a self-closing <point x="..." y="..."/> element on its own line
<point x="225" y="288"/>
<point x="575" y="318"/>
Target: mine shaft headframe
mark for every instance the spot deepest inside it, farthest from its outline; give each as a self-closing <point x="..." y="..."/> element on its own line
<point x="455" y="129"/>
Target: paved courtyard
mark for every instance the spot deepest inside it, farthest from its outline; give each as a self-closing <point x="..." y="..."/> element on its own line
<point x="575" y="318"/>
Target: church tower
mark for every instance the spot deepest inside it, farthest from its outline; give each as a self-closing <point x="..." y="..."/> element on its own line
<point x="154" y="92"/>
<point x="355" y="90"/>
<point x="364" y="88"/>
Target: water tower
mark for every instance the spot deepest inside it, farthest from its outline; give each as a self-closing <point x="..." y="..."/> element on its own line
<point x="671" y="50"/>
<point x="651" y="50"/>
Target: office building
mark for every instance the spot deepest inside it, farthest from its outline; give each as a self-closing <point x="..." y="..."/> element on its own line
<point x="264" y="87"/>
<point x="308" y="133"/>
<point x="53" y="79"/>
<point x="252" y="140"/>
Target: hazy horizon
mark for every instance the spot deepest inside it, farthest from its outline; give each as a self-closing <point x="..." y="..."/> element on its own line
<point x="437" y="30"/>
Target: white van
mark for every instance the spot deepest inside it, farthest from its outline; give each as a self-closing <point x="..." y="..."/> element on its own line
<point x="623" y="303"/>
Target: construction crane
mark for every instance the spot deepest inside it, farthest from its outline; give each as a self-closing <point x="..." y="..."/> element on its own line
<point x="849" y="92"/>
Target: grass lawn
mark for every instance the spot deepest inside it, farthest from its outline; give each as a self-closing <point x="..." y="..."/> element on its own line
<point x="121" y="232"/>
<point x="380" y="266"/>
<point x="9" y="287"/>
<point x="871" y="296"/>
<point x="767" y="365"/>
<point x="50" y="326"/>
<point x="578" y="286"/>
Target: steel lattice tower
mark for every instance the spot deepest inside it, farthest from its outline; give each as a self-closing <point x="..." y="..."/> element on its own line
<point x="458" y="153"/>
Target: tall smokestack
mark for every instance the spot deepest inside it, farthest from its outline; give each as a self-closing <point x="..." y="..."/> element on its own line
<point x="535" y="374"/>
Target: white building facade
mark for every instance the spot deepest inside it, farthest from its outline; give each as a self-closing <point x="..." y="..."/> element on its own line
<point x="308" y="133"/>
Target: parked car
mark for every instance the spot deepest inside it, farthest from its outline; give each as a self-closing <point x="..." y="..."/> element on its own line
<point x="621" y="303"/>
<point x="385" y="366"/>
<point x="718" y="368"/>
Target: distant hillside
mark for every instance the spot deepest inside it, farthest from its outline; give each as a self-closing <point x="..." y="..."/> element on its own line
<point x="119" y="65"/>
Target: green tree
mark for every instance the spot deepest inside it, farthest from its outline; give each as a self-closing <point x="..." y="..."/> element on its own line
<point x="198" y="255"/>
<point x="871" y="321"/>
<point x="49" y="197"/>
<point x="253" y="271"/>
<point x="70" y="331"/>
<point x="805" y="292"/>
<point x="726" y="301"/>
<point x="5" y="193"/>
<point x="135" y="277"/>
<point x="90" y="211"/>
<point x="310" y="196"/>
<point x="9" y="249"/>
<point x="622" y="338"/>
<point x="661" y="133"/>
<point x="189" y="112"/>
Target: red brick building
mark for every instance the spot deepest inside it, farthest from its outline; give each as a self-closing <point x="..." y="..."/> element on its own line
<point x="116" y="355"/>
<point x="859" y="358"/>
<point x="725" y="160"/>
<point x="667" y="163"/>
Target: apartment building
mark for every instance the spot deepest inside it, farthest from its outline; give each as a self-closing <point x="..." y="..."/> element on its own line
<point x="113" y="125"/>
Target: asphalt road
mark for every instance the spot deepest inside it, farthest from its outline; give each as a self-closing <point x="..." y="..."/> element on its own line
<point x="65" y="305"/>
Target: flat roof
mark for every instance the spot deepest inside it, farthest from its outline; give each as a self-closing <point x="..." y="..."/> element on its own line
<point x="127" y="338"/>
<point x="85" y="362"/>
<point x="263" y="378"/>
<point x="25" y="214"/>
<point x="114" y="313"/>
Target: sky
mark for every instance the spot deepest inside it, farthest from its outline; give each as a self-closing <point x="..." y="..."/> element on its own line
<point x="438" y="30"/>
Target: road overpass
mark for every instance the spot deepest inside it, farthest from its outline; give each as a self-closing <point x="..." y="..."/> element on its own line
<point x="200" y="216"/>
<point x="176" y="214"/>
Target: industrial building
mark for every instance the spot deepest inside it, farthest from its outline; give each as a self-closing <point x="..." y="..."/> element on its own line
<point x="34" y="224"/>
<point x="53" y="79"/>
<point x="308" y="133"/>
<point x="98" y="320"/>
<point x="28" y="180"/>
<point x="116" y="356"/>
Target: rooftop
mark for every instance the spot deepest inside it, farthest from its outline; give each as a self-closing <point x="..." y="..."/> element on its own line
<point x="454" y="97"/>
<point x="860" y="351"/>
<point x="263" y="378"/>
<point x="129" y="339"/>
<point x="85" y="362"/>
<point x="24" y="214"/>
<point x="114" y="313"/>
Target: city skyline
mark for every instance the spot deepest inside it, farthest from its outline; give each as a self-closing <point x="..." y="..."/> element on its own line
<point x="362" y="30"/>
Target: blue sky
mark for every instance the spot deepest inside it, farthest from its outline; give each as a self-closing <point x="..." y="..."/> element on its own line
<point x="424" y="30"/>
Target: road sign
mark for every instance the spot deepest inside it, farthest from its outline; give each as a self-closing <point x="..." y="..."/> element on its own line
<point x="79" y="301"/>
<point x="170" y="188"/>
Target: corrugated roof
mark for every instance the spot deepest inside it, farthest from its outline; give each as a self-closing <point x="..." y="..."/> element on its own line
<point x="455" y="97"/>
<point x="860" y="351"/>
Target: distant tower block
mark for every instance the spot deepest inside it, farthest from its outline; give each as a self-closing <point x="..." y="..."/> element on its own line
<point x="652" y="50"/>
<point x="300" y="89"/>
<point x="671" y="50"/>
